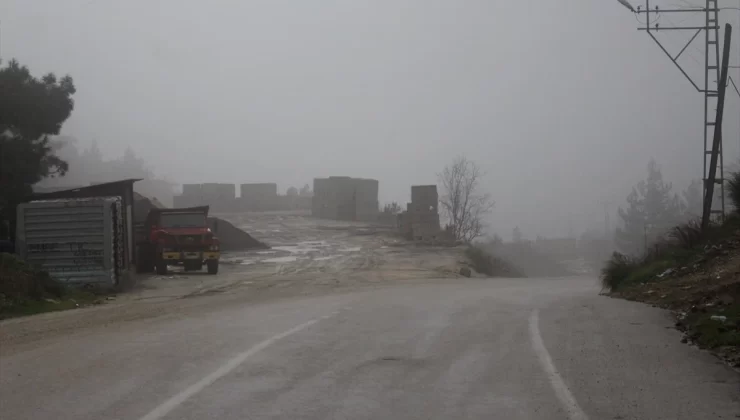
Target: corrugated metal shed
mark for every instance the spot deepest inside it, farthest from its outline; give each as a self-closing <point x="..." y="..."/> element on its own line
<point x="76" y="240"/>
<point x="124" y="189"/>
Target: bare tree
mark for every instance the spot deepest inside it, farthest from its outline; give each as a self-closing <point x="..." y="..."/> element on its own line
<point x="462" y="204"/>
<point x="392" y="208"/>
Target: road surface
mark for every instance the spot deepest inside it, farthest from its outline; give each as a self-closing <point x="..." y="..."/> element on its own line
<point x="473" y="349"/>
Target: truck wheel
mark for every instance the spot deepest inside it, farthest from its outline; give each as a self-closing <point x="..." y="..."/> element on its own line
<point x="161" y="267"/>
<point x="212" y="266"/>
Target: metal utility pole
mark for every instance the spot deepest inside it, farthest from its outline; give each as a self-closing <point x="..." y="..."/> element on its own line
<point x="717" y="140"/>
<point x="710" y="88"/>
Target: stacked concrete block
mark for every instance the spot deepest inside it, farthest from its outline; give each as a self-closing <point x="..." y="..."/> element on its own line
<point x="221" y="197"/>
<point x="420" y="221"/>
<point x="258" y="189"/>
<point x="213" y="193"/>
<point x="259" y="197"/>
<point x="425" y="198"/>
<point x="366" y="199"/>
<point x="192" y="190"/>
<point x="345" y="198"/>
<point x="321" y="205"/>
<point x="181" y="201"/>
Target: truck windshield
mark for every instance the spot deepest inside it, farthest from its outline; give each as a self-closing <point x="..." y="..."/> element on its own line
<point x="175" y="220"/>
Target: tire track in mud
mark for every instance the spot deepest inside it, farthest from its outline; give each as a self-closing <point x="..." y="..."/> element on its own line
<point x="327" y="252"/>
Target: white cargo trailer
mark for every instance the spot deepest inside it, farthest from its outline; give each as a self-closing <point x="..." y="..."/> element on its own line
<point x="77" y="240"/>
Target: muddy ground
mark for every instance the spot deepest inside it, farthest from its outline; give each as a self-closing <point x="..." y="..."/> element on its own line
<point x="307" y="253"/>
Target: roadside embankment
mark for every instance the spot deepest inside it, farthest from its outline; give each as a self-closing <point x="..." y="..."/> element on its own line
<point x="697" y="276"/>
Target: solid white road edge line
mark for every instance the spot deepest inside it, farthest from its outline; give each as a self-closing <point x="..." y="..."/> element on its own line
<point x="172" y="403"/>
<point x="558" y="385"/>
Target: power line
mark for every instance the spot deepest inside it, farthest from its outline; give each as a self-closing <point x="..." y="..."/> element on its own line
<point x="710" y="87"/>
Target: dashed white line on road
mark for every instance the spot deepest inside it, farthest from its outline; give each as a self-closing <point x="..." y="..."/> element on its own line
<point x="172" y="403"/>
<point x="556" y="381"/>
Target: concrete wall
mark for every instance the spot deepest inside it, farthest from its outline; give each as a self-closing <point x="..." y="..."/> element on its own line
<point x="345" y="198"/>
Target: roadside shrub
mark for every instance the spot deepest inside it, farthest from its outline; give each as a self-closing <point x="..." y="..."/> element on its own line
<point x="21" y="282"/>
<point x="687" y="235"/>
<point x="616" y="271"/>
<point x="485" y="262"/>
<point x="733" y="190"/>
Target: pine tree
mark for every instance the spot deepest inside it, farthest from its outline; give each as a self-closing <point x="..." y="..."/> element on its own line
<point x="516" y="235"/>
<point x="652" y="210"/>
<point x="692" y="200"/>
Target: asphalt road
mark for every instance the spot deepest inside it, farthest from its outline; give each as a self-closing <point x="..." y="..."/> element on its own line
<point x="476" y="349"/>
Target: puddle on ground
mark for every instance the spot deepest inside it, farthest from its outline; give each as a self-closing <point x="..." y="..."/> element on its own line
<point x="329" y="257"/>
<point x="302" y="247"/>
<point x="353" y="249"/>
<point x="289" y="258"/>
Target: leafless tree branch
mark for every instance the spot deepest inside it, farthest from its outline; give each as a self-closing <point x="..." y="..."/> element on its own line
<point x="461" y="203"/>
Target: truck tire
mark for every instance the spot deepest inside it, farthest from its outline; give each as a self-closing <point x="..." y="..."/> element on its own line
<point x="212" y="266"/>
<point x="161" y="267"/>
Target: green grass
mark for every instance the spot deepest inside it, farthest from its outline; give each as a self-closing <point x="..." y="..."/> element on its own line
<point x="71" y="300"/>
<point x="709" y="333"/>
<point x="648" y="272"/>
<point x="26" y="290"/>
<point x="623" y="271"/>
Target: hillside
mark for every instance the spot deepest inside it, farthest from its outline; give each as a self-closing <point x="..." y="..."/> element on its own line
<point x="697" y="276"/>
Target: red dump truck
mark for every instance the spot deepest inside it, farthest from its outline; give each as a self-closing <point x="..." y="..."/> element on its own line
<point x="178" y="237"/>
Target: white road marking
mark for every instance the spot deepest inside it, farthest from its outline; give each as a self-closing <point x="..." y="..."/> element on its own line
<point x="558" y="385"/>
<point x="172" y="403"/>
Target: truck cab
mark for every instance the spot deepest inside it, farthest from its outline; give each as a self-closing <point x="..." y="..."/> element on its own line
<point x="179" y="237"/>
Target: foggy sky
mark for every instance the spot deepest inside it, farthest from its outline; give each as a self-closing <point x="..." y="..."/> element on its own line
<point x="561" y="102"/>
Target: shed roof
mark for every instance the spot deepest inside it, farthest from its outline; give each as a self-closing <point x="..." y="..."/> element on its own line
<point x="106" y="188"/>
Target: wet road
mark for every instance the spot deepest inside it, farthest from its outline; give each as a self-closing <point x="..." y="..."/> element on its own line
<point x="473" y="349"/>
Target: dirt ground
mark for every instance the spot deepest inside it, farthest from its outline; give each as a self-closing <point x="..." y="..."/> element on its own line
<point x="307" y="253"/>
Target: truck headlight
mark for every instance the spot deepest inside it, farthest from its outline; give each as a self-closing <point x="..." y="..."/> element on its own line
<point x="214" y="247"/>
